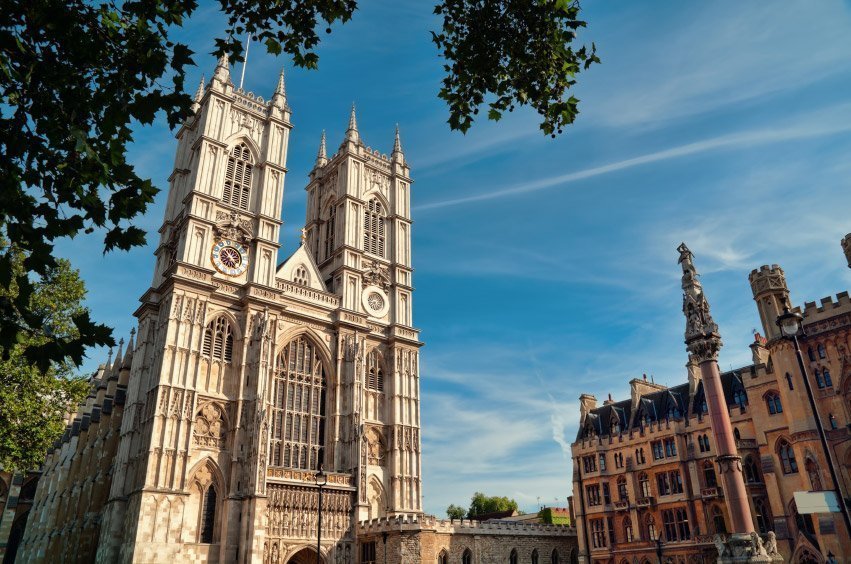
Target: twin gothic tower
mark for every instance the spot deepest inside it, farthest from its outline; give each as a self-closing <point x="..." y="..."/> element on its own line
<point x="249" y="374"/>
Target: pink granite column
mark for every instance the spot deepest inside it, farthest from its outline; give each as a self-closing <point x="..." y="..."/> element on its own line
<point x="703" y="343"/>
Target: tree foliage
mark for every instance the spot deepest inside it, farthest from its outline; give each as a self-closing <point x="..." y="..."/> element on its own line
<point x="33" y="401"/>
<point x="76" y="76"/>
<point x="480" y="504"/>
<point x="455" y="511"/>
<point x="511" y="52"/>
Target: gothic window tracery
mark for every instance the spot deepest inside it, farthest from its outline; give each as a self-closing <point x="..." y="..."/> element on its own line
<point x="650" y="527"/>
<point x="238" y="177"/>
<point x="374" y="228"/>
<point x="206" y="495"/>
<point x="301" y="277"/>
<point x="209" y="429"/>
<point x="752" y="475"/>
<point x="627" y="529"/>
<point x="218" y="340"/>
<point x="467" y="557"/>
<point x="299" y="406"/>
<point x="644" y="484"/>
<point x="375" y="372"/>
<point x="208" y="515"/>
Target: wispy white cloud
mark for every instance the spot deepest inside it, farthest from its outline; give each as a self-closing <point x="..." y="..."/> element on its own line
<point x="824" y="123"/>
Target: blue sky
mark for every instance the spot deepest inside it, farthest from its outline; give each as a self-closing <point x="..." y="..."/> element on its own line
<point x="547" y="268"/>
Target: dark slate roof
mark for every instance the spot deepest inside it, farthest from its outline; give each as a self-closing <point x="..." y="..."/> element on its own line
<point x="657" y="405"/>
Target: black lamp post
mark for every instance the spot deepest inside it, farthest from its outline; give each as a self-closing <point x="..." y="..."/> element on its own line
<point x="659" y="548"/>
<point x="321" y="481"/>
<point x="384" y="540"/>
<point x="790" y="327"/>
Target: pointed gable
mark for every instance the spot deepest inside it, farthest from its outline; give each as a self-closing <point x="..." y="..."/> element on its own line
<point x="300" y="269"/>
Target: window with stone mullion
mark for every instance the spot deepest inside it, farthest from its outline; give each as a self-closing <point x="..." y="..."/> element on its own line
<point x="300" y="389"/>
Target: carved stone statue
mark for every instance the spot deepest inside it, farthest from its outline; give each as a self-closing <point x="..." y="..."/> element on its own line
<point x="771" y="544"/>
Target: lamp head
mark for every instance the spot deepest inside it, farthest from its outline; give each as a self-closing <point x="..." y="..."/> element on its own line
<point x="321" y="477"/>
<point x="789" y="322"/>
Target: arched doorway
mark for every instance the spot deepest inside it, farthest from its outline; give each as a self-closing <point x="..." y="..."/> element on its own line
<point x="305" y="556"/>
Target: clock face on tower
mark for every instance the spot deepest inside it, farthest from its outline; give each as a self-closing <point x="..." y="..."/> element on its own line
<point x="229" y="257"/>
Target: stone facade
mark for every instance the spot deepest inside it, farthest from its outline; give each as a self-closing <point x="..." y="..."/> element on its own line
<point x="647" y="468"/>
<point x="201" y="442"/>
<point x="403" y="541"/>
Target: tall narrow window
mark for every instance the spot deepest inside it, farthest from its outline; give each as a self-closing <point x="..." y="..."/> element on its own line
<point x="718" y="521"/>
<point x="789" y="381"/>
<point x="218" y="340"/>
<point x="373" y="228"/>
<point x="810" y="354"/>
<point x="512" y="558"/>
<point x="828" y="381"/>
<point x="554" y="557"/>
<point x="740" y="398"/>
<point x="763" y="517"/>
<point x="819" y="379"/>
<point x="330" y="226"/>
<point x="751" y="471"/>
<point x="375" y="374"/>
<point x="822" y="353"/>
<point x="467" y="557"/>
<point x="787" y="458"/>
<point x="208" y="515"/>
<point x="709" y="478"/>
<point x="238" y="177"/>
<point x="443" y="558"/>
<point x="299" y="396"/>
<point x="650" y="527"/>
<point x="627" y="529"/>
<point x="535" y="556"/>
<point x="644" y="484"/>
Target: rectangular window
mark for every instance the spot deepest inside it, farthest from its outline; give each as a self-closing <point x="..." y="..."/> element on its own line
<point x="593" y="494"/>
<point x="670" y="448"/>
<point x="602" y="462"/>
<point x="607" y="498"/>
<point x="670" y="525"/>
<point x="683" y="529"/>
<point x="598" y="533"/>
<point x="676" y="482"/>
<point x="367" y="553"/>
<point x="663" y="487"/>
<point x="658" y="450"/>
<point x="610" y="525"/>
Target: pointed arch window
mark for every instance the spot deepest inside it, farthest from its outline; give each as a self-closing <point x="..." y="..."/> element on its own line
<point x="650" y="527"/>
<point x="298" y="420"/>
<point x="554" y="557"/>
<point x="810" y="354"/>
<point x="623" y="493"/>
<point x="824" y="381"/>
<point x="535" y="556"/>
<point x="330" y="227"/>
<point x="822" y="353"/>
<point x="763" y="515"/>
<point x="375" y="373"/>
<point x="709" y="478"/>
<point x="740" y="398"/>
<point x="644" y="484"/>
<point x="301" y="277"/>
<point x="627" y="529"/>
<point x="752" y="475"/>
<point x="374" y="228"/>
<point x="218" y="340"/>
<point x="443" y="558"/>
<point x="787" y="457"/>
<point x="512" y="558"/>
<point x="819" y="380"/>
<point x="718" y="521"/>
<point x="467" y="557"/>
<point x="208" y="515"/>
<point x="237" y="189"/>
<point x="772" y="400"/>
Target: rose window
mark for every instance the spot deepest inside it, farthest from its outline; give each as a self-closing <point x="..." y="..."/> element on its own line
<point x="375" y="301"/>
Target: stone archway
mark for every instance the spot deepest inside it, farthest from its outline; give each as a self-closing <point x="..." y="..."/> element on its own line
<point x="305" y="556"/>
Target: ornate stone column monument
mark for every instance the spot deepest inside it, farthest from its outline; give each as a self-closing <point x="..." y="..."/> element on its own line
<point x="703" y="343"/>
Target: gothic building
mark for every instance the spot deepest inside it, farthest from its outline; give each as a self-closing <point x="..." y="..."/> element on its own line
<point x="647" y="476"/>
<point x="247" y="375"/>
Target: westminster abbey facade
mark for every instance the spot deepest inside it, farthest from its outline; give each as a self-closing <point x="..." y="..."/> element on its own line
<point x="202" y="441"/>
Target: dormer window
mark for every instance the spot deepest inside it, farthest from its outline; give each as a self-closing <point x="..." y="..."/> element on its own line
<point x="238" y="177"/>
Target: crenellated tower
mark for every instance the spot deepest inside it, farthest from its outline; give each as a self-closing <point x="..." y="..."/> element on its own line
<point x="771" y="295"/>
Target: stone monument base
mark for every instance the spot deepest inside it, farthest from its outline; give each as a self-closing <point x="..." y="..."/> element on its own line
<point x="740" y="548"/>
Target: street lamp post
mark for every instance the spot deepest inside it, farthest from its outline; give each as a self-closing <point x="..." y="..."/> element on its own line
<point x="659" y="548"/>
<point x="790" y="326"/>
<point x="321" y="481"/>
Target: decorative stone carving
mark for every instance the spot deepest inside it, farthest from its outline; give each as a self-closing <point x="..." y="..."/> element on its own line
<point x="209" y="429"/>
<point x="229" y="225"/>
<point x="701" y="334"/>
<point x="376" y="180"/>
<point x="376" y="447"/>
<point x="376" y="274"/>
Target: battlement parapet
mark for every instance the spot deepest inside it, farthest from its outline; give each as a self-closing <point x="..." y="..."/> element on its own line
<point x="767" y="279"/>
<point x="827" y="307"/>
<point x="461" y="526"/>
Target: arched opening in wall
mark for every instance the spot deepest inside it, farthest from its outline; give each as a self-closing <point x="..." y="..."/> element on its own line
<point x="306" y="555"/>
<point x="554" y="557"/>
<point x="376" y="499"/>
<point x="467" y="556"/>
<point x="535" y="556"/>
<point x="574" y="556"/>
<point x="218" y="340"/>
<point x="237" y="188"/>
<point x="787" y="457"/>
<point x="373" y="228"/>
<point x="16" y="534"/>
<point x="650" y="528"/>
<point x="752" y="475"/>
<point x="443" y="557"/>
<point x="762" y="514"/>
<point x="719" y="525"/>
<point x="709" y="478"/>
<point x="813" y="474"/>
<point x="512" y="558"/>
<point x="206" y="497"/>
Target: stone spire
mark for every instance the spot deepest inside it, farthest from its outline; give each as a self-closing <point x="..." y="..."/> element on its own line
<point x="199" y="94"/>
<point x="118" y="357"/>
<point x="701" y="336"/>
<point x="321" y="156"/>
<point x="222" y="72"/>
<point x="279" y="98"/>
<point x="397" y="155"/>
<point x="352" y="132"/>
<point x="128" y="356"/>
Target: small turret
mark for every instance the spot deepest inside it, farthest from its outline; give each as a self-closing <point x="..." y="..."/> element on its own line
<point x="587" y="403"/>
<point x="352" y="131"/>
<point x="771" y="295"/>
<point x="222" y="72"/>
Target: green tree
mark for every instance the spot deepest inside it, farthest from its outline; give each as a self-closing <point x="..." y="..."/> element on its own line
<point x="33" y="401"/>
<point x="455" y="511"/>
<point x="480" y="504"/>
<point x="77" y="75"/>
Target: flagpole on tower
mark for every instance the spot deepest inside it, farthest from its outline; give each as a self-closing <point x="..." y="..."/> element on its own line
<point x="244" y="60"/>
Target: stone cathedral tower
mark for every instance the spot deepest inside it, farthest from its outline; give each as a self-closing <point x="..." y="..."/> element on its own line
<point x="248" y="375"/>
